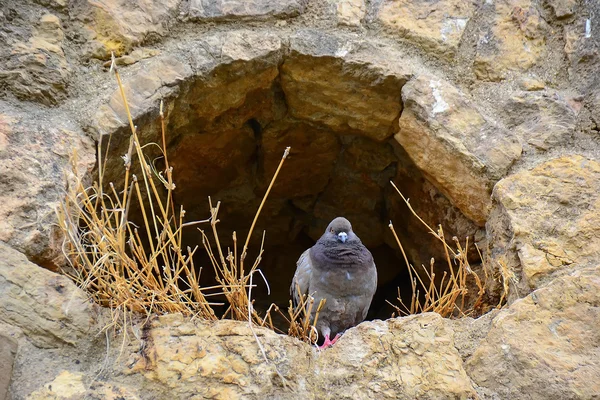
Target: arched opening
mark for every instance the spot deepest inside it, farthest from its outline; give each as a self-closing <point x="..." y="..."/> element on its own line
<point x="227" y="130"/>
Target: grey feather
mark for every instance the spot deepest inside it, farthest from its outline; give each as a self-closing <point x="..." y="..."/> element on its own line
<point x="301" y="281"/>
<point x="343" y="273"/>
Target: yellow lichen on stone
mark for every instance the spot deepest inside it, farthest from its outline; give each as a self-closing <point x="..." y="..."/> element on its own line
<point x="436" y="26"/>
<point x="515" y="41"/>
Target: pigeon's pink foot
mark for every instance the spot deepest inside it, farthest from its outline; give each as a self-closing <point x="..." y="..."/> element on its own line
<point x="335" y="339"/>
<point x="328" y="343"/>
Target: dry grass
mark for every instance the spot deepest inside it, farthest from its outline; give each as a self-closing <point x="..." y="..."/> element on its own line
<point x="448" y="296"/>
<point x="508" y="276"/>
<point x="145" y="270"/>
<point x="110" y="257"/>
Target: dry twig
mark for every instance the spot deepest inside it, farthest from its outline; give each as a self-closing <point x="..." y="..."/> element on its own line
<point x="447" y="297"/>
<point x="146" y="269"/>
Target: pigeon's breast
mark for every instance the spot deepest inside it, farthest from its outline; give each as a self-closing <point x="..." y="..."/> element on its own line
<point x="346" y="256"/>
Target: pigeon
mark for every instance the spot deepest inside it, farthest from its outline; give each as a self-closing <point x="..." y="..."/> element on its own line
<point x="340" y="269"/>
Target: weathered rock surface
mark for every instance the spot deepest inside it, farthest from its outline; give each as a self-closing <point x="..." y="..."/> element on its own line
<point x="436" y="27"/>
<point x="542" y="120"/>
<point x="539" y="347"/>
<point x="547" y="220"/>
<point x="217" y="360"/>
<point x="74" y="385"/>
<point x="330" y="80"/>
<point x="350" y="12"/>
<point x="143" y="93"/>
<point x="114" y="26"/>
<point x="213" y="10"/>
<point x="401" y="358"/>
<point x="35" y="148"/>
<point x="239" y="62"/>
<point x="563" y="8"/>
<point x="542" y="347"/>
<point x="431" y="206"/>
<point x="582" y="48"/>
<point x="48" y="307"/>
<point x="37" y="69"/>
<point x="241" y="81"/>
<point x="461" y="151"/>
<point x="200" y="119"/>
<point x="512" y="38"/>
<point x="8" y="352"/>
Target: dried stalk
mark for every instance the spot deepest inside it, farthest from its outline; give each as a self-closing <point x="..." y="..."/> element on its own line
<point x="146" y="268"/>
<point x="448" y="297"/>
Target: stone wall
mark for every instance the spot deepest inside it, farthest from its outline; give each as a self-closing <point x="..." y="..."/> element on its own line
<point x="485" y="113"/>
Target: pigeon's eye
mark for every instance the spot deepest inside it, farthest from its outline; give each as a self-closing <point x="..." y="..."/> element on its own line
<point x="331" y="230"/>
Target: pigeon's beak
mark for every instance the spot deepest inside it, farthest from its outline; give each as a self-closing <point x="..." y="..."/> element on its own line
<point x="342" y="236"/>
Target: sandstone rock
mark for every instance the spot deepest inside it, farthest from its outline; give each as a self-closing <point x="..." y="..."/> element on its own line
<point x="436" y="27"/>
<point x="74" y="385"/>
<point x="544" y="120"/>
<point x="246" y="67"/>
<point x="469" y="332"/>
<point x="35" y="147"/>
<point x="67" y="385"/>
<point x="245" y="82"/>
<point x="531" y="84"/>
<point x="512" y="38"/>
<point x="547" y="220"/>
<point x="542" y="347"/>
<point x="402" y="358"/>
<point x="461" y="151"/>
<point x="563" y="8"/>
<point x="38" y="70"/>
<point x="582" y="48"/>
<point x="135" y="56"/>
<point x="225" y="62"/>
<point x="216" y="360"/>
<point x="115" y="26"/>
<point x="144" y="91"/>
<point x="48" y="307"/>
<point x="327" y="80"/>
<point x="8" y="351"/>
<point x="350" y="12"/>
<point x="210" y="10"/>
<point x="59" y="4"/>
<point x="242" y="65"/>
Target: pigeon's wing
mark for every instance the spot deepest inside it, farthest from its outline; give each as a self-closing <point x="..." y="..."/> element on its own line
<point x="370" y="286"/>
<point x="301" y="281"/>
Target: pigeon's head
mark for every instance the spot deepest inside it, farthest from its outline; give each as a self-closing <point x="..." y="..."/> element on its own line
<point x="340" y="230"/>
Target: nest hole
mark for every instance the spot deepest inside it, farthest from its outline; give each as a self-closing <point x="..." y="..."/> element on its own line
<point x="229" y="150"/>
